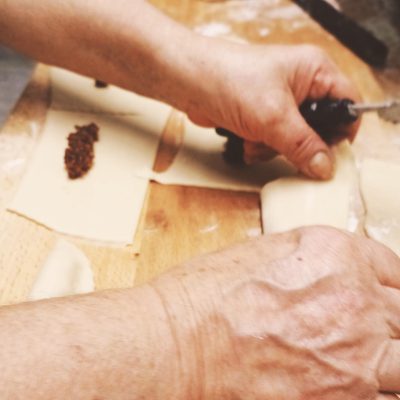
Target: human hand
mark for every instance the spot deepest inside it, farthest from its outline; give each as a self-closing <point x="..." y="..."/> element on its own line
<point x="256" y="91"/>
<point x="309" y="314"/>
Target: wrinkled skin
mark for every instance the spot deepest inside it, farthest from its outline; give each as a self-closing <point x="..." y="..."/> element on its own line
<point x="311" y="314"/>
<point x="258" y="96"/>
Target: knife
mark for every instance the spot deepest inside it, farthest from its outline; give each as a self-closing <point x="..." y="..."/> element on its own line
<point x="328" y="112"/>
<point x="324" y="116"/>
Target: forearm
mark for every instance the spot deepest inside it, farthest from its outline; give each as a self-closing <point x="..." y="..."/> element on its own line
<point x="127" y="43"/>
<point x="111" y="345"/>
<point x="249" y="322"/>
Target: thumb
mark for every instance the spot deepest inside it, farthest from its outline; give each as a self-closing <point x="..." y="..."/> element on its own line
<point x="302" y="146"/>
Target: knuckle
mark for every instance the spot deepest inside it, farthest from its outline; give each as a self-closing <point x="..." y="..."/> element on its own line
<point x="323" y="75"/>
<point x="273" y="113"/>
<point x="266" y="121"/>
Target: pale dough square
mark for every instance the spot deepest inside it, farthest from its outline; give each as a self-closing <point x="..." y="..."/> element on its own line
<point x="380" y="188"/>
<point x="74" y="92"/>
<point x="200" y="163"/>
<point x="292" y="202"/>
<point x="104" y="205"/>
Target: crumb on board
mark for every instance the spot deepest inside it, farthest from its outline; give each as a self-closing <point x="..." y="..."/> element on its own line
<point x="79" y="154"/>
<point x="100" y="84"/>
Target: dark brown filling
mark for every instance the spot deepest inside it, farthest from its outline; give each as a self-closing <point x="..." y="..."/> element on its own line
<point x="79" y="154"/>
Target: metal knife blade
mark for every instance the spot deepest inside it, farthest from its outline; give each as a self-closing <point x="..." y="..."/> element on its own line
<point x="388" y="110"/>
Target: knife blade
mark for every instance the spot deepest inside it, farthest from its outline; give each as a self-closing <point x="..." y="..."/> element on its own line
<point x="388" y="110"/>
<point x="324" y="116"/>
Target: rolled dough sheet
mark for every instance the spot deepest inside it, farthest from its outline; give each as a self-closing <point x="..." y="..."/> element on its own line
<point x="200" y="163"/>
<point x="73" y="92"/>
<point x="66" y="272"/>
<point x="104" y="205"/>
<point x="292" y="202"/>
<point x="380" y="188"/>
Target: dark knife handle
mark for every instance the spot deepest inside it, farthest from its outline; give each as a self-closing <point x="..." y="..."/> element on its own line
<point x="326" y="113"/>
<point x="324" y="116"/>
<point x="234" y="147"/>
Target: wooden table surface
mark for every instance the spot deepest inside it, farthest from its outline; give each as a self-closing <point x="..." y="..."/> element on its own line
<point x="179" y="222"/>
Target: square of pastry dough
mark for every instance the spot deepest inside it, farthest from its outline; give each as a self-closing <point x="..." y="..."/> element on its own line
<point x="74" y="92"/>
<point x="293" y="202"/>
<point x="104" y="205"/>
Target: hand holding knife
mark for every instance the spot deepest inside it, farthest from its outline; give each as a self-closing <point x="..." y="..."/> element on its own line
<point x="324" y="116"/>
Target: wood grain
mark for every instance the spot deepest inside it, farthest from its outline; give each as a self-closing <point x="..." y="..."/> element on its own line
<point x="183" y="222"/>
<point x="24" y="247"/>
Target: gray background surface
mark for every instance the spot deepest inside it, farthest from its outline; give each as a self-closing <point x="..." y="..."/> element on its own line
<point x="15" y="71"/>
<point x="382" y="18"/>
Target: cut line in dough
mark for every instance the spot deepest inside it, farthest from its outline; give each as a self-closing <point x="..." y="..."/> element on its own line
<point x="380" y="188"/>
<point x="66" y="272"/>
<point x="292" y="202"/>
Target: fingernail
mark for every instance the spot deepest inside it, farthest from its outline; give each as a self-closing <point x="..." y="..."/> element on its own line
<point x="321" y="166"/>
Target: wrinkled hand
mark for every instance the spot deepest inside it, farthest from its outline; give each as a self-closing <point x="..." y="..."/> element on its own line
<point x="310" y="314"/>
<point x="257" y="94"/>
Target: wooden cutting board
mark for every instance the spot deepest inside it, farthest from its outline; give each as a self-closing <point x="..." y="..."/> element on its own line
<point x="179" y="222"/>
